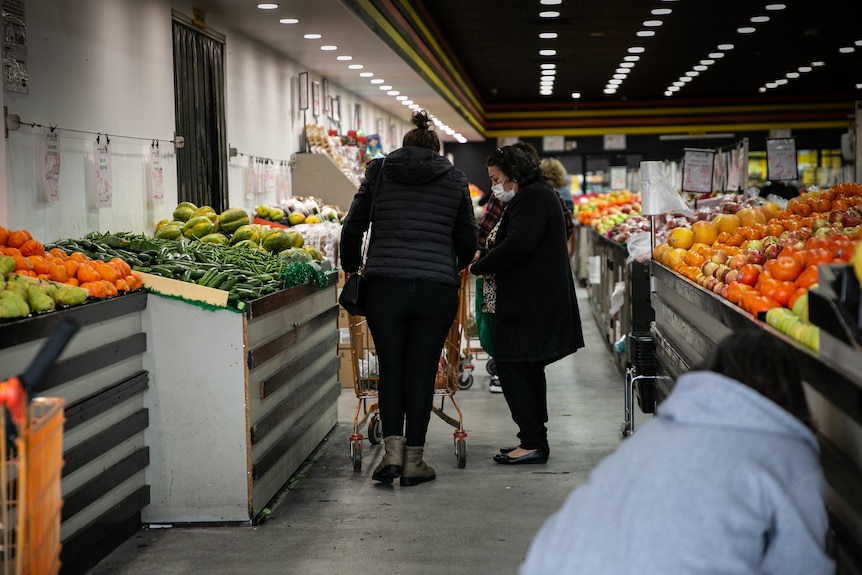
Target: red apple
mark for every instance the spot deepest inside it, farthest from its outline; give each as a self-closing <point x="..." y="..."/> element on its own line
<point x="737" y="261"/>
<point x="719" y="257"/>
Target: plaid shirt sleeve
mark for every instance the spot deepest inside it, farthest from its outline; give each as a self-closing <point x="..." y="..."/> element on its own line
<point x="567" y="215"/>
<point x="490" y="217"/>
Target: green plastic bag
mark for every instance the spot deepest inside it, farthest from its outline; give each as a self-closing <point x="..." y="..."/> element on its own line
<point x="484" y="321"/>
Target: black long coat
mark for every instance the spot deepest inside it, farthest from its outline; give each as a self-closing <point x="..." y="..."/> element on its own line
<point x="537" y="317"/>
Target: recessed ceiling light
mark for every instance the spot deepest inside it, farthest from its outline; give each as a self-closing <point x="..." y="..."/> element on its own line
<point x="392" y="93"/>
<point x="547" y="52"/>
<point x="289" y="21"/>
<point x="818" y="63"/>
<point x="679" y="84"/>
<point x="781" y="82"/>
<point x="858" y="42"/>
<point x="619" y="76"/>
<point x="548" y="66"/>
<point x="549" y="14"/>
<point x="805" y="69"/>
<point x="366" y="74"/>
<point x="550" y="2"/>
<point x="609" y="91"/>
<point x="413" y="106"/>
<point x="692" y="73"/>
<point x="775" y="6"/>
<point x="549" y="82"/>
<point x="267" y="6"/>
<point x="384" y="88"/>
<point x="686" y="79"/>
<point x="652" y="23"/>
<point x="627" y="65"/>
<point x="401" y="98"/>
<point x="576" y="95"/>
<point x="700" y="68"/>
<point x="859" y="86"/>
<point x="615" y="82"/>
<point x="746" y="30"/>
<point x="771" y="85"/>
<point x="312" y="36"/>
<point x="329" y="48"/>
<point x="406" y="102"/>
<point x="377" y="81"/>
<point x="645" y="33"/>
<point x="636" y="50"/>
<point x="847" y="50"/>
<point x="344" y="58"/>
<point x="759" y="19"/>
<point x="549" y="72"/>
<point x="673" y="89"/>
<point x="548" y="35"/>
<point x="793" y="75"/>
<point x="631" y="58"/>
<point x="724" y="47"/>
<point x="359" y="67"/>
<point x="716" y="55"/>
<point x="707" y="62"/>
<point x="661" y="11"/>
<point x="623" y="71"/>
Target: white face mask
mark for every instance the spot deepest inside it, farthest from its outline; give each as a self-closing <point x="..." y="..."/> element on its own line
<point x="502" y="194"/>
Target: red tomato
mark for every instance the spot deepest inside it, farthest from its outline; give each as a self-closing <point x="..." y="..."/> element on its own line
<point x="748" y="274"/>
<point x="818" y="256"/>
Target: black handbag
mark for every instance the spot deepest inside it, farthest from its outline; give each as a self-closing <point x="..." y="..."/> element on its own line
<point x="352" y="297"/>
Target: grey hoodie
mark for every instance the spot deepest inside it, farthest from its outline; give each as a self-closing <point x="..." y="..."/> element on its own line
<point x="721" y="481"/>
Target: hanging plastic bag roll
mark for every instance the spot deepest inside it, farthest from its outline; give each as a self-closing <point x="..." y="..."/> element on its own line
<point x="658" y="195"/>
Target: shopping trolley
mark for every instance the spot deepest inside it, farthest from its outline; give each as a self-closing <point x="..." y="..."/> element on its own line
<point x="366" y="378"/>
<point x="31" y="462"/>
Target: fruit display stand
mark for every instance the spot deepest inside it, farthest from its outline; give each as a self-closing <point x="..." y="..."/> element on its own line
<point x="690" y="320"/>
<point x="238" y="401"/>
<point x="101" y="380"/>
<point x="619" y="300"/>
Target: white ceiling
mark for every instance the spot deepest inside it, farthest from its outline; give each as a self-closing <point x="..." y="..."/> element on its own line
<point x="341" y="27"/>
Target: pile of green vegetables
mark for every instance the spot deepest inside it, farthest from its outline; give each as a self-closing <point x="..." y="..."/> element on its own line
<point x="245" y="273"/>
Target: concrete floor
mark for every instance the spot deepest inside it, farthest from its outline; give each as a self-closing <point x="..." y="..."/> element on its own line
<point x="478" y="520"/>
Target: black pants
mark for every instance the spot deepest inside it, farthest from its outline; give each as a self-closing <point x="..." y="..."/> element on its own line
<point x="409" y="320"/>
<point x="526" y="392"/>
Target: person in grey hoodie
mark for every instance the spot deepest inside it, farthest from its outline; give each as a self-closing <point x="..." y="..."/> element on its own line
<point x="724" y="479"/>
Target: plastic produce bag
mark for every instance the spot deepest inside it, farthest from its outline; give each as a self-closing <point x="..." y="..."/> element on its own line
<point x="640" y="247"/>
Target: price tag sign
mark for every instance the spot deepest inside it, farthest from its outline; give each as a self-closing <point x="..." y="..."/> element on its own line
<point x="781" y="159"/>
<point x="697" y="170"/>
<point x="104" y="174"/>
<point x="157" y="179"/>
<point x="52" y="166"/>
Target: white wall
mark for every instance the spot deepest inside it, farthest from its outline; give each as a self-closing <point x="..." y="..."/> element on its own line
<point x="106" y="66"/>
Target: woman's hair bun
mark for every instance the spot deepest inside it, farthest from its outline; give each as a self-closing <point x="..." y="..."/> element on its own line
<point x="421" y="120"/>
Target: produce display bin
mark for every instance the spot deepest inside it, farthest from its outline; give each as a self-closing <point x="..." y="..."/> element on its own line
<point x="689" y="322"/>
<point x="238" y="400"/>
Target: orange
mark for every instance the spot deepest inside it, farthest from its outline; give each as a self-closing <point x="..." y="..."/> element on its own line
<point x="705" y="232"/>
<point x="749" y="217"/>
<point x="675" y="258"/>
<point x="727" y="222"/>
<point x="680" y="237"/>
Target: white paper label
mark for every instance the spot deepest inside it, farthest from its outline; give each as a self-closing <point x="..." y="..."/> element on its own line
<point x="52" y="167"/>
<point x="104" y="175"/>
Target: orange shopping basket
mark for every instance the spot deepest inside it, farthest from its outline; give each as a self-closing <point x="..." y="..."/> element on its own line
<point x="31" y="462"/>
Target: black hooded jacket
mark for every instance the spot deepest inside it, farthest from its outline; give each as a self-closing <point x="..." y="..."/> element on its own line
<point x="423" y="225"/>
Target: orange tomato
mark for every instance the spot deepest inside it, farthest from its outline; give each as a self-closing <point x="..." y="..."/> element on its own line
<point x="800" y="291"/>
<point x="735" y="291"/>
<point x="121" y="265"/>
<point x="808" y="277"/>
<point x="4" y="235"/>
<point x="7" y="251"/>
<point x="32" y="248"/>
<point x="17" y="238"/>
<point x="762" y="304"/>
<point x="768" y="287"/>
<point x="79" y="257"/>
<point x="87" y="274"/>
<point x="58" y="273"/>
<point x="71" y="267"/>
<point x="786" y="268"/>
<point x="818" y="256"/>
<point x="22" y="263"/>
<point x="783" y="292"/>
<point x="58" y="253"/>
<point x="105" y="270"/>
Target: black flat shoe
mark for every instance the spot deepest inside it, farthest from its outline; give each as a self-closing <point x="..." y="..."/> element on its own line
<point x="505" y="450"/>
<point x="536" y="456"/>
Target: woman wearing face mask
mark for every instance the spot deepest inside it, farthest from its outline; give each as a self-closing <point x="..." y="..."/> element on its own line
<point x="530" y="290"/>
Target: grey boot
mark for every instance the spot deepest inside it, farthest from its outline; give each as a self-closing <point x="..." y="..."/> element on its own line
<point x="390" y="466"/>
<point x="415" y="471"/>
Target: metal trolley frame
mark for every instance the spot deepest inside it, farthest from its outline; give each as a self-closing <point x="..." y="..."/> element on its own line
<point x="449" y="376"/>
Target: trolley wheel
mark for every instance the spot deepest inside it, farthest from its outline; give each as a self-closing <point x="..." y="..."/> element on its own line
<point x="491" y="366"/>
<point x="356" y="454"/>
<point x="461" y="451"/>
<point x="465" y="382"/>
<point x="375" y="430"/>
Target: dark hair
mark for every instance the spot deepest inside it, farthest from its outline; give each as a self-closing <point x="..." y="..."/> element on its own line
<point x="515" y="164"/>
<point x="528" y="149"/>
<point x="764" y="364"/>
<point x="422" y="135"/>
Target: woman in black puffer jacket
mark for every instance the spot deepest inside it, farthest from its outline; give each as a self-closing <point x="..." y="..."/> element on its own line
<point x="423" y="235"/>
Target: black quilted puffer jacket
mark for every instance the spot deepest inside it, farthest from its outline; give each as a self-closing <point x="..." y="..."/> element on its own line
<point x="423" y="226"/>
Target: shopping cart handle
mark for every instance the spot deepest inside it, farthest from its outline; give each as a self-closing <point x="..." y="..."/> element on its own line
<point x="47" y="355"/>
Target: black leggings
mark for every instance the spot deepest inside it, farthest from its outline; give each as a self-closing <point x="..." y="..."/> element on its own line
<point x="409" y="320"/>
